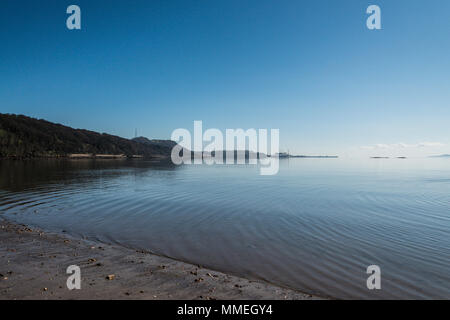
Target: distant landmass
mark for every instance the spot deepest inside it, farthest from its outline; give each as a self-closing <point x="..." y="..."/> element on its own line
<point x="402" y="157"/>
<point x="441" y="156"/>
<point x="316" y="157"/>
<point x="287" y="155"/>
<point x="24" y="137"/>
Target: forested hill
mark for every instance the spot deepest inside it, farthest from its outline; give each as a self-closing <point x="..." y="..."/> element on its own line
<point x="25" y="137"/>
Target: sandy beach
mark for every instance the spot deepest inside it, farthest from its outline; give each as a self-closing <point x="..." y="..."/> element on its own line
<point x="33" y="266"/>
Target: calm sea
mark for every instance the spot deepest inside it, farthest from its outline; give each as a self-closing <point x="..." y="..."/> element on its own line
<point x="316" y="226"/>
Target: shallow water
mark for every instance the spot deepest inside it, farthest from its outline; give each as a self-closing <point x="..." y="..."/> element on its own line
<point x="315" y="226"/>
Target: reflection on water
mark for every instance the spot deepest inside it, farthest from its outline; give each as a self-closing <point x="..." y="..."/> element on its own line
<point x="315" y="226"/>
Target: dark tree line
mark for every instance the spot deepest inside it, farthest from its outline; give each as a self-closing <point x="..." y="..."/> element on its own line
<point x="25" y="137"/>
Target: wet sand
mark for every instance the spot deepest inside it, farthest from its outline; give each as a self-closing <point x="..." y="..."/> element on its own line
<point x="33" y="266"/>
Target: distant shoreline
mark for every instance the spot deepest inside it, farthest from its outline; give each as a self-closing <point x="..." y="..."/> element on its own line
<point x="315" y="157"/>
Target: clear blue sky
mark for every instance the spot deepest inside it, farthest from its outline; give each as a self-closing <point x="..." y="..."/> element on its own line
<point x="310" y="68"/>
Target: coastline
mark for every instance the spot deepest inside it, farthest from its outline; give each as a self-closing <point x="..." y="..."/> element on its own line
<point x="33" y="266"/>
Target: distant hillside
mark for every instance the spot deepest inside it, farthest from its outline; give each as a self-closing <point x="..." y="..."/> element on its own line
<point x="156" y="143"/>
<point x="25" y="137"/>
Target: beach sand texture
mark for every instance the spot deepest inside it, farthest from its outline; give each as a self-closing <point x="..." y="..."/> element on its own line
<point x="33" y="266"/>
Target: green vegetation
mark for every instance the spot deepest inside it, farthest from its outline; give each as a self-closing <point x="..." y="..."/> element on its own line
<point x="25" y="137"/>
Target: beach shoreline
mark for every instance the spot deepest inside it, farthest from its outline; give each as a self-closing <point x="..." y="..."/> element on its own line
<point x="33" y="265"/>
